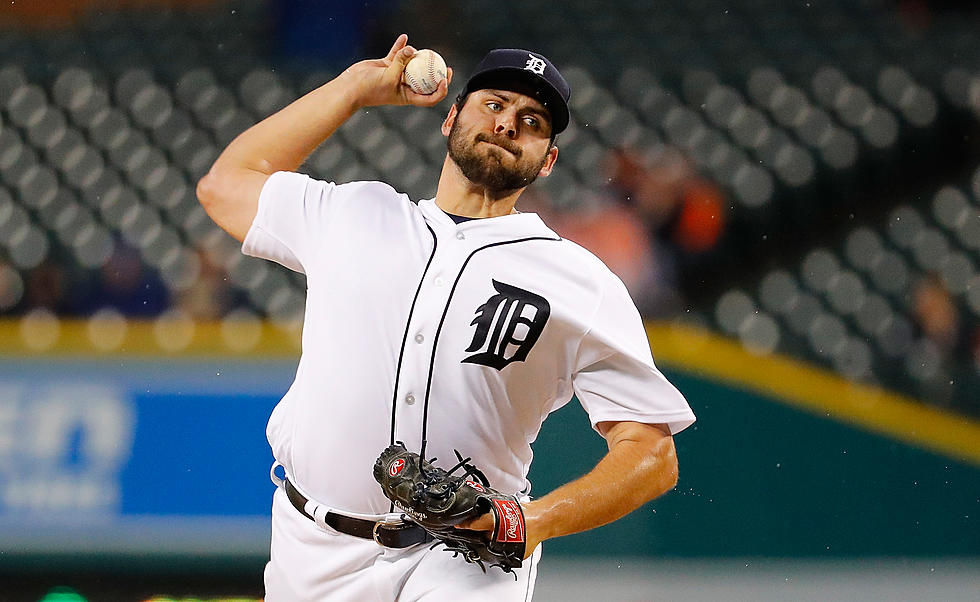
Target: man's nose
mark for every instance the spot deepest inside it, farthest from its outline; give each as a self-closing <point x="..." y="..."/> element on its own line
<point x="506" y="125"/>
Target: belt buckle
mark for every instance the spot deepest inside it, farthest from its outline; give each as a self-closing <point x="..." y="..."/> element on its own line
<point x="378" y="524"/>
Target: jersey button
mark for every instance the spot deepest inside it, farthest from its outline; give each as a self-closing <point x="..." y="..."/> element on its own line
<point x="409" y="399"/>
<point x="439" y="281"/>
<point x="460" y="236"/>
<point x="419" y="338"/>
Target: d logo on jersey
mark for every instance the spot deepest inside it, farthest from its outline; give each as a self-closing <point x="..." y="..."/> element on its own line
<point x="507" y="326"/>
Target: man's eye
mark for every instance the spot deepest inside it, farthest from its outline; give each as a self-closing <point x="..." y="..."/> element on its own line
<point x="531" y="122"/>
<point x="494" y="106"/>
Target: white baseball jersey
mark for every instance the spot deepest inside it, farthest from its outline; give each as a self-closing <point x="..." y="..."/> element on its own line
<point x="467" y="335"/>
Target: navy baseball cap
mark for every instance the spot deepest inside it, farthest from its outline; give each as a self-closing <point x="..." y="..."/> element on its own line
<point x="502" y="68"/>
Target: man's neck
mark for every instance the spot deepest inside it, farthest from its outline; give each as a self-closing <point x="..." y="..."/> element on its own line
<point x="458" y="196"/>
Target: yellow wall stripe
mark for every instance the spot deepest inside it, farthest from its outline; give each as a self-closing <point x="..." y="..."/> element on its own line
<point x="47" y="337"/>
<point x="818" y="391"/>
<point x="689" y="349"/>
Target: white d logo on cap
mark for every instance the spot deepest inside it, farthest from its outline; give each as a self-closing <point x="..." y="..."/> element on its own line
<point x="535" y="65"/>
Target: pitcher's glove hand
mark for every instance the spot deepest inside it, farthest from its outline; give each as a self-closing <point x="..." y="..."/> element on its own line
<point x="437" y="501"/>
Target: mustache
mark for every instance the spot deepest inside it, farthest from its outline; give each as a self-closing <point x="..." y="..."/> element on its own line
<point x="501" y="141"/>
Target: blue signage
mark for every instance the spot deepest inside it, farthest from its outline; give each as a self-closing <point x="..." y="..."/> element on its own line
<point x="139" y="456"/>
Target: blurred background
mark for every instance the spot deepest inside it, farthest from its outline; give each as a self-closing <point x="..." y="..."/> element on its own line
<point x="789" y="189"/>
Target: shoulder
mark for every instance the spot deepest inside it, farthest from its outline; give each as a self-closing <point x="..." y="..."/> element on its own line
<point x="584" y="260"/>
<point x="358" y="195"/>
<point x="368" y="191"/>
<point x="318" y="201"/>
<point x="371" y="188"/>
<point x="296" y="181"/>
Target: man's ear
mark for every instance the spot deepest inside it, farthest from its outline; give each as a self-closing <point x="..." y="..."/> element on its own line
<point x="549" y="162"/>
<point x="450" y="120"/>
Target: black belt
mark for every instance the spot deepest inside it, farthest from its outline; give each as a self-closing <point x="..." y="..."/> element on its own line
<point x="400" y="534"/>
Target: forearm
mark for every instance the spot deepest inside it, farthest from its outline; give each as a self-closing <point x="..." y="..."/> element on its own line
<point x="230" y="191"/>
<point x="637" y="469"/>
<point x="280" y="142"/>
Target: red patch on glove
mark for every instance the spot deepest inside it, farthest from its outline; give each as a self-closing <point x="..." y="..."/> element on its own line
<point x="510" y="528"/>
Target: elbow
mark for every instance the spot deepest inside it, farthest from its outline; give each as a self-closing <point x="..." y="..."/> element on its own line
<point x="208" y="190"/>
<point x="230" y="198"/>
<point x="666" y="463"/>
<point x="671" y="473"/>
<point x="216" y="191"/>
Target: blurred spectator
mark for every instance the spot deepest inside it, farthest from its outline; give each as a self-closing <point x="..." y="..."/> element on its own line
<point x="656" y="223"/>
<point x="128" y="286"/>
<point x="615" y="233"/>
<point x="47" y="285"/>
<point x="676" y="203"/>
<point x="936" y="314"/>
<point x="211" y="295"/>
<point x="655" y="217"/>
<point x="935" y="364"/>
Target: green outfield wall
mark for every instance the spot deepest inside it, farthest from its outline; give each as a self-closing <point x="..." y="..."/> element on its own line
<point x="785" y="460"/>
<point x="760" y="477"/>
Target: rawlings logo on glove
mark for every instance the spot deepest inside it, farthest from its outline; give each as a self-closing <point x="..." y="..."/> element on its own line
<point x="438" y="501"/>
<point x="511" y="527"/>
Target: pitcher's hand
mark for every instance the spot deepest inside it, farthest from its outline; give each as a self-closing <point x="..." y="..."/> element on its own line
<point x="532" y="523"/>
<point x="379" y="81"/>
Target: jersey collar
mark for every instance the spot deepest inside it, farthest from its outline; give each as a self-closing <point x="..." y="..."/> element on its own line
<point x="505" y="227"/>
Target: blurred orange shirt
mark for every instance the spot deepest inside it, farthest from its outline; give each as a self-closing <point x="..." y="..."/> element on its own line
<point x="617" y="236"/>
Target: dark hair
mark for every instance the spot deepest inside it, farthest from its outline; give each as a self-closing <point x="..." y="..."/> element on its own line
<point x="461" y="100"/>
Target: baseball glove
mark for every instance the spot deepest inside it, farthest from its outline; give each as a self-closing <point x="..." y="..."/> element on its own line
<point x="437" y="501"/>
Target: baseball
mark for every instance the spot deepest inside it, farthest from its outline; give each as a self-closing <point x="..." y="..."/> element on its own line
<point x="424" y="71"/>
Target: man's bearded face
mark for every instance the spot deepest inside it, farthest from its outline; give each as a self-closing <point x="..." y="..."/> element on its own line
<point x="491" y="160"/>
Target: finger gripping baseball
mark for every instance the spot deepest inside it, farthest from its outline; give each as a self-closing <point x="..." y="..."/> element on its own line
<point x="438" y="501"/>
<point x="424" y="71"/>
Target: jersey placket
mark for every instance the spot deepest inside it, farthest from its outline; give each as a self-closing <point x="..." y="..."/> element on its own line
<point x="451" y="252"/>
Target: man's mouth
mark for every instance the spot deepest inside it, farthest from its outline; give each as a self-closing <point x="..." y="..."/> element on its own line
<point x="507" y="147"/>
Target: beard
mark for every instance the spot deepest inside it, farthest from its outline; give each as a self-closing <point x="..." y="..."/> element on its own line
<point x="487" y="169"/>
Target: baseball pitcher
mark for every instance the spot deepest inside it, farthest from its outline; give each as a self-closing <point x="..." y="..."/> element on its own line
<point x="438" y="336"/>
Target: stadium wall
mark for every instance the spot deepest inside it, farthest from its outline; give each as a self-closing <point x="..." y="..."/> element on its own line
<point x="142" y="455"/>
